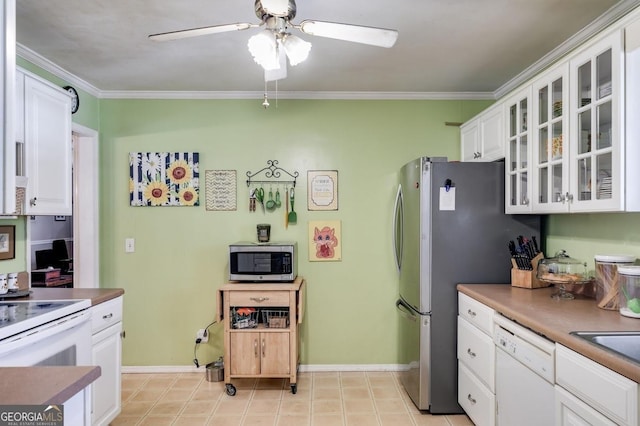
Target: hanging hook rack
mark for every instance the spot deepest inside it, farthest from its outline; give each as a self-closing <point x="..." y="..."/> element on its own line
<point x="272" y="174"/>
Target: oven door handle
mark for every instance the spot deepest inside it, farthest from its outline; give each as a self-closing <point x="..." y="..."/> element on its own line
<point x="29" y="337"/>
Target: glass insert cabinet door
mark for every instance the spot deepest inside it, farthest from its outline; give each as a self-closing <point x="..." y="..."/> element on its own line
<point x="550" y="146"/>
<point x="596" y="142"/>
<point x="517" y="168"/>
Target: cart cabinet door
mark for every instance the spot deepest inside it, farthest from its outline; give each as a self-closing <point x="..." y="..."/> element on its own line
<point x="245" y="353"/>
<point x="275" y="353"/>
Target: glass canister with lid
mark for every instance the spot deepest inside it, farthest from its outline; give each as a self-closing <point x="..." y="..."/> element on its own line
<point x="629" y="299"/>
<point x="607" y="286"/>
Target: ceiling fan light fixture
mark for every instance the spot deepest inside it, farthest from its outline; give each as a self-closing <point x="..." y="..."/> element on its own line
<point x="297" y="49"/>
<point x="264" y="49"/>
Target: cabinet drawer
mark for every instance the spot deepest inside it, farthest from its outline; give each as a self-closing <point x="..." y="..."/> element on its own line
<point x="476" y="400"/>
<point x="106" y="314"/>
<point x="608" y="392"/>
<point x="476" y="313"/>
<point x="259" y="298"/>
<point x="477" y="351"/>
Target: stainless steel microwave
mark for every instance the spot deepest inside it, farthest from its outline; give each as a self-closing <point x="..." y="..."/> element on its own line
<point x="263" y="262"/>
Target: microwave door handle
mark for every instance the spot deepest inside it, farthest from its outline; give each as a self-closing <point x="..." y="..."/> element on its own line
<point x="398" y="228"/>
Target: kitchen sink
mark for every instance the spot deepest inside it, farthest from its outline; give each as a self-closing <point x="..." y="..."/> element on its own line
<point x="625" y="343"/>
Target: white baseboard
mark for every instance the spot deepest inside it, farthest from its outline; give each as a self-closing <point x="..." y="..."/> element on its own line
<point x="311" y="368"/>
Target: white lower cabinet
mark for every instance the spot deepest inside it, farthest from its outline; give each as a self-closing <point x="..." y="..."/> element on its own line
<point x="602" y="390"/>
<point x="475" y="398"/>
<point x="107" y="353"/>
<point x="476" y="361"/>
<point x="570" y="411"/>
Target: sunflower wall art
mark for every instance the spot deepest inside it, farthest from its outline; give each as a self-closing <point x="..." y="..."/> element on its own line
<point x="164" y="179"/>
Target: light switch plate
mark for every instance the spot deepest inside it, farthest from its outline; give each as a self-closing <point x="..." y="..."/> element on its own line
<point x="129" y="245"/>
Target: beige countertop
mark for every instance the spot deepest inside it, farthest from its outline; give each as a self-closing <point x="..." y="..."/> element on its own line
<point x="555" y="319"/>
<point x="52" y="385"/>
<point x="96" y="295"/>
<point x="44" y="385"/>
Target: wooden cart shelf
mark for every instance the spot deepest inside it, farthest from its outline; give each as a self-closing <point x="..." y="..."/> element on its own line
<point x="255" y="349"/>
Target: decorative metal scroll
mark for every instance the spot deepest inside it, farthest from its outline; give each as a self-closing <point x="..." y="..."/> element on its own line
<point x="272" y="174"/>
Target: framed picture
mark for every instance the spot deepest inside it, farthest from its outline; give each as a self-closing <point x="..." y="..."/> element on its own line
<point x="164" y="179"/>
<point x="7" y="242"/>
<point x="322" y="190"/>
<point x="325" y="241"/>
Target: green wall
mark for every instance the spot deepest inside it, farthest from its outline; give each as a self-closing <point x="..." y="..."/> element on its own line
<point x="181" y="252"/>
<point x="585" y="235"/>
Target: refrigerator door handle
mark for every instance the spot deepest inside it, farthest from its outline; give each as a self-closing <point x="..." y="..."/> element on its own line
<point x="406" y="310"/>
<point x="398" y="225"/>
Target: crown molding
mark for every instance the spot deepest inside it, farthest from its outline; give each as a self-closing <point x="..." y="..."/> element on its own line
<point x="42" y="62"/>
<point x="298" y="95"/>
<point x="611" y="16"/>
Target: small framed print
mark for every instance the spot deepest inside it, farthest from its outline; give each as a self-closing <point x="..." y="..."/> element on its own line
<point x="322" y="190"/>
<point x="7" y="242"/>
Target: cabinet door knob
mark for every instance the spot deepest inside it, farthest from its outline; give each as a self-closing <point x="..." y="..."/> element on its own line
<point x="263" y="348"/>
<point x="123" y="334"/>
<point x="32" y="202"/>
<point x="472" y="400"/>
<point x="471" y="353"/>
<point x="106" y="317"/>
<point x="471" y="313"/>
<point x="255" y="348"/>
<point x="569" y="197"/>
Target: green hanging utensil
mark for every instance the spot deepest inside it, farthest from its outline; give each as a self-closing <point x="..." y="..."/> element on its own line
<point x="278" y="202"/>
<point x="293" y="216"/>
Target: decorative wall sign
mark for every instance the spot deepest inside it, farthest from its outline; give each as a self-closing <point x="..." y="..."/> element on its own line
<point x="325" y="241"/>
<point x="322" y="190"/>
<point x="164" y="179"/>
<point x="220" y="190"/>
<point x="7" y="242"/>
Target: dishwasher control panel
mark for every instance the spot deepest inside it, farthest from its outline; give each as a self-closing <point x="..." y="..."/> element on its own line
<point x="532" y="350"/>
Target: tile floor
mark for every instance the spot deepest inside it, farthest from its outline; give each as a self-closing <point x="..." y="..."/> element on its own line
<point x="322" y="399"/>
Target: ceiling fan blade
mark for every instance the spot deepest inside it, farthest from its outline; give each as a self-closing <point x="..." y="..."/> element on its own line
<point x="381" y="37"/>
<point x="195" y="32"/>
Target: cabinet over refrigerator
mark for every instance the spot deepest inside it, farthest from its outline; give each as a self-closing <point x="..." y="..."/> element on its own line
<point x="449" y="228"/>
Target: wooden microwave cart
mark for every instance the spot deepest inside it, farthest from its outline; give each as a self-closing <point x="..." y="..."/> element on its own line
<point x="261" y="330"/>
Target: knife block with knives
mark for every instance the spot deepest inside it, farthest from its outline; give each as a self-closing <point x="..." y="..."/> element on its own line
<point x="527" y="278"/>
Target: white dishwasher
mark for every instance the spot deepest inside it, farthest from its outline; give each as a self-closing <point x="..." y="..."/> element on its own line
<point x="525" y="370"/>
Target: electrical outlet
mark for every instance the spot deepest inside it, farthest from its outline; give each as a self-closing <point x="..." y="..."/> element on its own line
<point x="202" y="335"/>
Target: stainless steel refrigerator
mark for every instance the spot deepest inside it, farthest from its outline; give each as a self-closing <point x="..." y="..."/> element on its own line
<point x="449" y="228"/>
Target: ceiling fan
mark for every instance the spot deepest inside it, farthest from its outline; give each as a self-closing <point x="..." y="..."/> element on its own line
<point x="270" y="46"/>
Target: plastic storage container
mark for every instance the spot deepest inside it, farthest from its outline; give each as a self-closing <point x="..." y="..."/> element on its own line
<point x="607" y="286"/>
<point x="629" y="279"/>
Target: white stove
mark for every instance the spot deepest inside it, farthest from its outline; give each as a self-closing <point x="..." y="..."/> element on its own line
<point x="22" y="315"/>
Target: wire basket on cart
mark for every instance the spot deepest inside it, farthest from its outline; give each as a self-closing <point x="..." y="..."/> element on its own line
<point x="244" y="317"/>
<point x="275" y="318"/>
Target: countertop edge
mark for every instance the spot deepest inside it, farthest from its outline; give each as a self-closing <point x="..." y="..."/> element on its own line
<point x="44" y="385"/>
<point x="96" y="295"/>
<point x="559" y="334"/>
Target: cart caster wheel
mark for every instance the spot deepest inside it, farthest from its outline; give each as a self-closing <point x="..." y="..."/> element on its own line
<point x="231" y="390"/>
<point x="294" y="388"/>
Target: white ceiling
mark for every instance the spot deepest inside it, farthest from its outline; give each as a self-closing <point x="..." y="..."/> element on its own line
<point x="444" y="46"/>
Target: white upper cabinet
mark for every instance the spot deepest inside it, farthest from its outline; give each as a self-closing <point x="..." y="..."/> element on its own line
<point x="518" y="152"/>
<point x="482" y="137"/>
<point x="597" y="142"/>
<point x="571" y="156"/>
<point x="47" y="148"/>
<point x="550" y="159"/>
